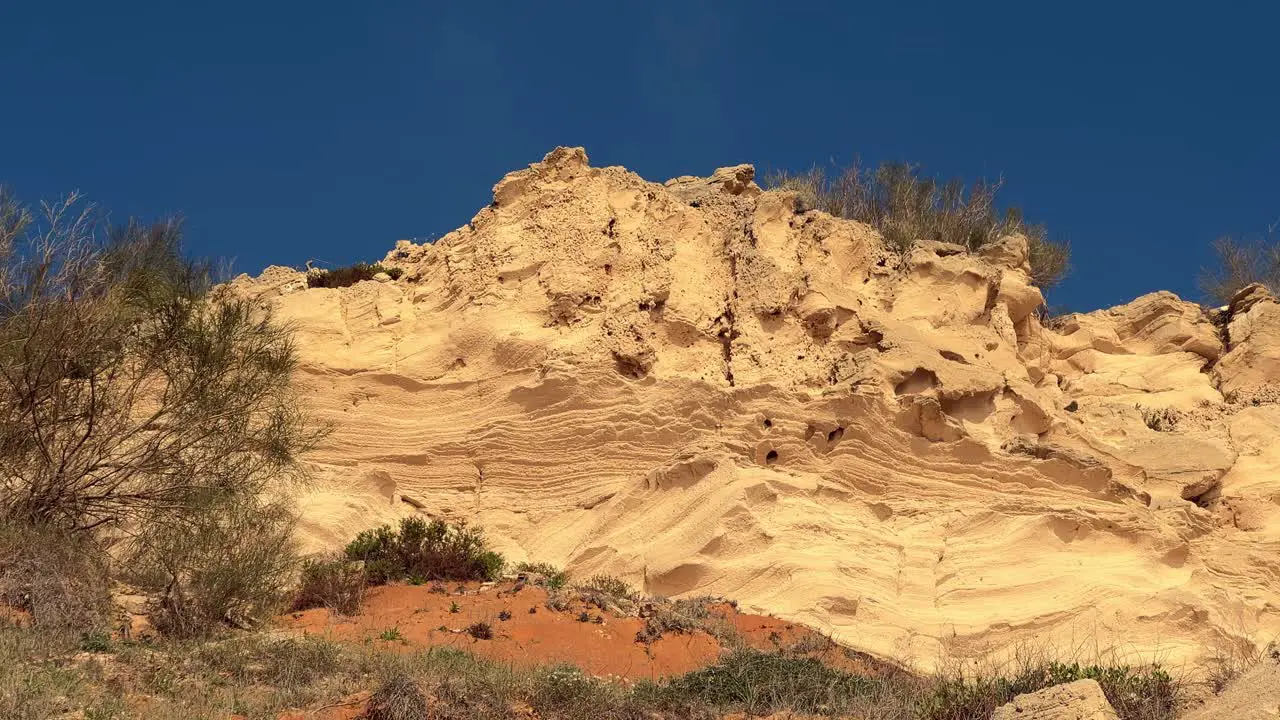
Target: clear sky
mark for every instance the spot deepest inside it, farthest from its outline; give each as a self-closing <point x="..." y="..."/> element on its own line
<point x="286" y="130"/>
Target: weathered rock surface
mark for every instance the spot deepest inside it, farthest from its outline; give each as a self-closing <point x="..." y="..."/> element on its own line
<point x="700" y="389"/>
<point x="1080" y="700"/>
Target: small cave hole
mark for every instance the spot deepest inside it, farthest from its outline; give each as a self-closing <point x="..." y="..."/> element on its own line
<point x="953" y="356"/>
<point x="608" y="269"/>
<point x="917" y="382"/>
<point x="768" y="423"/>
<point x="771" y="458"/>
<point x="501" y="279"/>
<point x="834" y="436"/>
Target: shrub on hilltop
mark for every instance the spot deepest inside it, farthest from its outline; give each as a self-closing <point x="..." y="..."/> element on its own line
<point x="907" y="208"/>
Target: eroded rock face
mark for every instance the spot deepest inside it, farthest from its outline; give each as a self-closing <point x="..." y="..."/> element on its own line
<point x="1080" y="700"/>
<point x="700" y="389"/>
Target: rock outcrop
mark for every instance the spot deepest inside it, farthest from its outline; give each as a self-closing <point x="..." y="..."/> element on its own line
<point x="1079" y="700"/>
<point x="706" y="389"/>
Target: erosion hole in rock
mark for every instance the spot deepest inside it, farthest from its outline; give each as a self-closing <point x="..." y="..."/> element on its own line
<point x="917" y="382"/>
<point x="834" y="436"/>
<point x="972" y="408"/>
<point x="501" y="279"/>
<point x="768" y="423"/>
<point x="771" y="457"/>
<point x="953" y="356"/>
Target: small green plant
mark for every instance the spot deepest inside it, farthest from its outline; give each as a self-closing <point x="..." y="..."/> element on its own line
<point x="391" y="635"/>
<point x="480" y="631"/>
<point x="455" y="608"/>
<point x="95" y="642"/>
<point x="544" y="574"/>
<point x="430" y="551"/>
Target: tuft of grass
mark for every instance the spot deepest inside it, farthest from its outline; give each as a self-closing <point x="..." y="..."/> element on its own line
<point x="399" y="698"/>
<point x="455" y="608"/>
<point x="480" y="631"/>
<point x="609" y="585"/>
<point x="391" y="635"/>
<point x="544" y="574"/>
<point x="908" y="208"/>
<point x="350" y="275"/>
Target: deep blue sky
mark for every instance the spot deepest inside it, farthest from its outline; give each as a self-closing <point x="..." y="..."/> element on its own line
<point x="286" y="131"/>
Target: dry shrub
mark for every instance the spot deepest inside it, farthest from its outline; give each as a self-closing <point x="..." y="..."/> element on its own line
<point x="907" y="208"/>
<point x="544" y="574"/>
<point x="1238" y="264"/>
<point x="350" y="275"/>
<point x="230" y="563"/>
<point x="331" y="582"/>
<point x="1160" y="419"/>
<point x="61" y="580"/>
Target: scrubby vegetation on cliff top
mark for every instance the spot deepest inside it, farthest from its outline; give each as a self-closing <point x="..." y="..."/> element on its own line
<point x="908" y="208"/>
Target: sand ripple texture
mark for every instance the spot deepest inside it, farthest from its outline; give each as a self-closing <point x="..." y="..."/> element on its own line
<point x="708" y="389"/>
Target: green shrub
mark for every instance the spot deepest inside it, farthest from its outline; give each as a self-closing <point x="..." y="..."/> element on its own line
<point x="350" y="275"/>
<point x="907" y="209"/>
<point x="760" y="683"/>
<point x="429" y="551"/>
<point x="550" y="576"/>
<point x="331" y="582"/>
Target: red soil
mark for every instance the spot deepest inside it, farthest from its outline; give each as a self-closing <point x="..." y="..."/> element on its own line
<point x="535" y="635"/>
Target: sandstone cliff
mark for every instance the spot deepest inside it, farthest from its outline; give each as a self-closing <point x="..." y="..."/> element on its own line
<point x="696" y="387"/>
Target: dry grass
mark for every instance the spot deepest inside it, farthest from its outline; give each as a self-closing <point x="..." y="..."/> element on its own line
<point x="61" y="580"/>
<point x="908" y="208"/>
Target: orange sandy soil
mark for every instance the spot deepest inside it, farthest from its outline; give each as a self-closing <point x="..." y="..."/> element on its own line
<point x="536" y="635"/>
